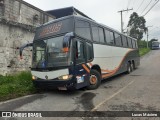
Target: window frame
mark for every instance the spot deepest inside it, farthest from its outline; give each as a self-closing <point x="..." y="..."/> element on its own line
<point x="92" y="54"/>
<point x="92" y="25"/>
<point x="133" y="43"/>
<point x="104" y="41"/>
<point x="90" y="31"/>
<point x="129" y="39"/>
<point x="110" y="32"/>
<point x="84" y="54"/>
<point x="126" y="40"/>
<point x="120" y="39"/>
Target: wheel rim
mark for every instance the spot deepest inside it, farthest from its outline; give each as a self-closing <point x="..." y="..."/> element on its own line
<point x="129" y="69"/>
<point x="93" y="80"/>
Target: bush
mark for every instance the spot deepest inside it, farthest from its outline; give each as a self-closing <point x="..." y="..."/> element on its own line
<point x="12" y="86"/>
<point x="143" y="51"/>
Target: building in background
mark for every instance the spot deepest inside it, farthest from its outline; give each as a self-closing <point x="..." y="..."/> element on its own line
<point x="65" y="12"/>
<point x="18" y="21"/>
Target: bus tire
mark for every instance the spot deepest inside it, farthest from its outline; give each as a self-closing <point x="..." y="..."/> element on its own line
<point x="94" y="80"/>
<point x="132" y="66"/>
<point x="129" y="69"/>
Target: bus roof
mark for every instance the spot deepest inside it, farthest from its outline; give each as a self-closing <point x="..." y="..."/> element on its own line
<point x="84" y="18"/>
<point x="155" y="41"/>
<point x="58" y="13"/>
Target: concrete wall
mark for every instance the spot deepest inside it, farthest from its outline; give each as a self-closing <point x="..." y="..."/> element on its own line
<point x="12" y="37"/>
<point x="22" y="12"/>
<point x="18" y="21"/>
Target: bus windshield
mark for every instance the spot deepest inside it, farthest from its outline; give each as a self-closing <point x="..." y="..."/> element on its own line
<point x="50" y="53"/>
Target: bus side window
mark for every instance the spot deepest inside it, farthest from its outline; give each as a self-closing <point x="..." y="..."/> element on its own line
<point x="130" y="42"/>
<point x="124" y="40"/>
<point x="89" y="51"/>
<point x="118" y="39"/>
<point x="101" y="35"/>
<point x="82" y="28"/>
<point x="109" y="37"/>
<point x="133" y="43"/>
<point x="95" y="33"/>
<point x="80" y="56"/>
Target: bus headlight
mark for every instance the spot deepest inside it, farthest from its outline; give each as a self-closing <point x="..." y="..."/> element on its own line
<point x="34" y="77"/>
<point x="65" y="77"/>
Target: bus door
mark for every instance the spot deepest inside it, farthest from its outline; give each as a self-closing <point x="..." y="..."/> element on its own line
<point x="80" y="67"/>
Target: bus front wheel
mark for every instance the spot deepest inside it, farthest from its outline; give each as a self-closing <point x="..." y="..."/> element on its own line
<point x="94" y="80"/>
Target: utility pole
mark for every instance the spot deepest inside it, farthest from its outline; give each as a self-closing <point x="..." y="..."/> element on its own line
<point x="148" y="34"/>
<point x="122" y="17"/>
<point x="147" y="38"/>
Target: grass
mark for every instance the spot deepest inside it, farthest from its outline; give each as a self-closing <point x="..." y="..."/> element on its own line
<point x="13" y="86"/>
<point x="143" y="51"/>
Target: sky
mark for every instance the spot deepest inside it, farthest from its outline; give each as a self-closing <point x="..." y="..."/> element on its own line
<point x="106" y="11"/>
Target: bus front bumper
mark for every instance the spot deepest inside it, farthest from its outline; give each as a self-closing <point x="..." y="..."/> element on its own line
<point x="55" y="84"/>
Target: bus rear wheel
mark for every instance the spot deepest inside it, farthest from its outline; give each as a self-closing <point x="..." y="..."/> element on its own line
<point x="94" y="80"/>
<point x="129" y="68"/>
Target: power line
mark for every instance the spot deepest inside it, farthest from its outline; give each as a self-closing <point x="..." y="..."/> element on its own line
<point x="146" y="12"/>
<point x="133" y="5"/>
<point x="146" y="6"/>
<point x="150" y="8"/>
<point x="140" y="5"/>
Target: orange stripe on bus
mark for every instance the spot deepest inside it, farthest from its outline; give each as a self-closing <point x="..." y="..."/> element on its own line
<point x="107" y="70"/>
<point x="86" y="68"/>
<point x="66" y="49"/>
<point x="115" y="70"/>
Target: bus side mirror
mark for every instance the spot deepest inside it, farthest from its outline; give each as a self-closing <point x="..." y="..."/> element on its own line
<point x="22" y="48"/>
<point x="66" y="41"/>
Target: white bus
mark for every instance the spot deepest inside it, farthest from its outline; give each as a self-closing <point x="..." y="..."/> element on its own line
<point x="155" y="45"/>
<point x="74" y="52"/>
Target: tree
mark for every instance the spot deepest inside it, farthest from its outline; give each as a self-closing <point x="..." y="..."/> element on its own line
<point x="137" y="26"/>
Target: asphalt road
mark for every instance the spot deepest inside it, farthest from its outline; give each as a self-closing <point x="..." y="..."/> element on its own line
<point x="138" y="91"/>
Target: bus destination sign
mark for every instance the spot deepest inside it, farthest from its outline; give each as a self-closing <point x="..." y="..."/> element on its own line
<point x="51" y="29"/>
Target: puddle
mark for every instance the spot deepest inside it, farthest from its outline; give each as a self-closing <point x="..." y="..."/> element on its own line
<point x="86" y="100"/>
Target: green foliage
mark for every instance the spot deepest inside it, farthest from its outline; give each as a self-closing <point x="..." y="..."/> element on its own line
<point x="142" y="43"/>
<point x="12" y="86"/>
<point x="143" y="51"/>
<point x="137" y="25"/>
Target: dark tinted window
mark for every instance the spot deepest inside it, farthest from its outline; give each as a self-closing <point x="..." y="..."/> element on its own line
<point x="130" y="42"/>
<point x="118" y="39"/>
<point x="89" y="49"/>
<point x="101" y="35"/>
<point x="124" y="40"/>
<point x="109" y="37"/>
<point x="82" y="28"/>
<point x="95" y="33"/>
<point x="80" y="57"/>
